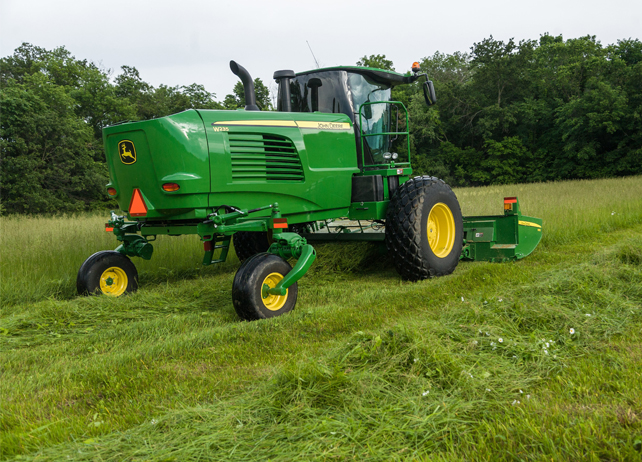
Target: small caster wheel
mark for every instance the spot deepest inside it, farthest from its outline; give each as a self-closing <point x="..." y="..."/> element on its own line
<point x="250" y="300"/>
<point x="107" y="272"/>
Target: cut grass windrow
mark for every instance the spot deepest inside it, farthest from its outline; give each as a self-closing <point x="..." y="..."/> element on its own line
<point x="383" y="372"/>
<point x="539" y="359"/>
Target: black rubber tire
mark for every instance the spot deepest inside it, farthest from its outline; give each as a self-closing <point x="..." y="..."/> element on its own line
<point x="406" y="228"/>
<point x="91" y="271"/>
<point x="249" y="279"/>
<point x="247" y="244"/>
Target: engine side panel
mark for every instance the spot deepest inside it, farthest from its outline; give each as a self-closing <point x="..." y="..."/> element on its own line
<point x="303" y="161"/>
<point x="247" y="159"/>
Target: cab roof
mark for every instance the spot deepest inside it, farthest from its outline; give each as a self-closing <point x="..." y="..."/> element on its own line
<point x="378" y="75"/>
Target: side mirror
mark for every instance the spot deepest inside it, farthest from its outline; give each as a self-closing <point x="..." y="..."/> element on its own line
<point x="367" y="112"/>
<point x="429" y="93"/>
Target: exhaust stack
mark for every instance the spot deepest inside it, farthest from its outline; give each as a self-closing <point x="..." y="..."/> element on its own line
<point x="248" y="86"/>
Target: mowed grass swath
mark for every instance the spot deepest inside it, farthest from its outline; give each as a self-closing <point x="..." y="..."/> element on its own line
<point x="477" y="365"/>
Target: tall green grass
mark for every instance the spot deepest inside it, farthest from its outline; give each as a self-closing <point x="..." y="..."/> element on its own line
<point x="41" y="256"/>
<point x="571" y="210"/>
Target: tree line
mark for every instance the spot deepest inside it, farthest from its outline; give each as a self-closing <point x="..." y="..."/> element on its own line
<point x="53" y="108"/>
<point x="537" y="110"/>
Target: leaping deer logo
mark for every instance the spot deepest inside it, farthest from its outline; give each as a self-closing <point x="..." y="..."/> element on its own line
<point x="127" y="152"/>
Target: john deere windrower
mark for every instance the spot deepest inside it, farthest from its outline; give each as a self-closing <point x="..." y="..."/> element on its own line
<point x="276" y="181"/>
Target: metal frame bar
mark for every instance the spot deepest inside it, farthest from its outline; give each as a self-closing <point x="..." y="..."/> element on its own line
<point x="363" y="135"/>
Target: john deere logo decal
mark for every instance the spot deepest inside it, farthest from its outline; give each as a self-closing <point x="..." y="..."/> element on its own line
<point x="127" y="152"/>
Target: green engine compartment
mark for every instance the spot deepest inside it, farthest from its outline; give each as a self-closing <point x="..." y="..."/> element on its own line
<point x="246" y="159"/>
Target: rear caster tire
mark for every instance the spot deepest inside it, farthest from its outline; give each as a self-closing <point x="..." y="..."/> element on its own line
<point x="424" y="229"/>
<point x="247" y="244"/>
<point x="107" y="272"/>
<point x="249" y="303"/>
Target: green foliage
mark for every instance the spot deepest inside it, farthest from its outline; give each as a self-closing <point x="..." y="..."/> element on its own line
<point x="574" y="105"/>
<point x="153" y="102"/>
<point x="236" y="100"/>
<point x="54" y="107"/>
<point x="50" y="158"/>
<point x="505" y="162"/>
<point x="96" y="102"/>
<point x="377" y="62"/>
<point x="537" y="110"/>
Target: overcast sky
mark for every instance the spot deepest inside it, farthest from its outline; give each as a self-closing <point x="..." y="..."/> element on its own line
<point x="192" y="41"/>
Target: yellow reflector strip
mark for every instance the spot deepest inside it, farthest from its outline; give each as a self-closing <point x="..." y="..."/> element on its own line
<point x="286" y="123"/>
<point x="529" y="223"/>
<point x="259" y="123"/>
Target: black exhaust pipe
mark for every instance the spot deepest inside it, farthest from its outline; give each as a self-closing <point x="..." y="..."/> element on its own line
<point x="248" y="86"/>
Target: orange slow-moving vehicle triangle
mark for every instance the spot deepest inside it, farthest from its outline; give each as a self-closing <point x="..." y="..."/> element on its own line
<point x="137" y="207"/>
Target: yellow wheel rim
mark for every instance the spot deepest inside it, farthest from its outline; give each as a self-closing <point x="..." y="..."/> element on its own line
<point x="441" y="230"/>
<point x="113" y="281"/>
<point x="274" y="302"/>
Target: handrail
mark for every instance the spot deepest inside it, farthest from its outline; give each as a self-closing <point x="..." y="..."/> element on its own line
<point x="390" y="165"/>
<point x="386" y="133"/>
<point x="365" y="135"/>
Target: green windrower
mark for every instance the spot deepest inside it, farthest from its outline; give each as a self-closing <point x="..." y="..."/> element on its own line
<point x="323" y="167"/>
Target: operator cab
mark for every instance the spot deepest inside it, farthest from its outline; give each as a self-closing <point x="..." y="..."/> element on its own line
<point x="347" y="90"/>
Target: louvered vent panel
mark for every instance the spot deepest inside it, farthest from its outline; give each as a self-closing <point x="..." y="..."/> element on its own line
<point x="264" y="158"/>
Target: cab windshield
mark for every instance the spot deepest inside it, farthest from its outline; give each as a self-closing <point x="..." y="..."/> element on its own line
<point x="344" y="92"/>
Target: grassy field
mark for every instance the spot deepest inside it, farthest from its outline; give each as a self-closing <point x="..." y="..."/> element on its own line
<point x="535" y="360"/>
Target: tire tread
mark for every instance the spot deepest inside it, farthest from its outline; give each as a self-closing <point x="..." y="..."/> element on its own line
<point x="85" y="280"/>
<point x="403" y="228"/>
<point x="247" y="303"/>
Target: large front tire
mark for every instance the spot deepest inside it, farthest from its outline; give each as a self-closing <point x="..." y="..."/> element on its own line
<point x="249" y="300"/>
<point x="107" y="272"/>
<point x="424" y="229"/>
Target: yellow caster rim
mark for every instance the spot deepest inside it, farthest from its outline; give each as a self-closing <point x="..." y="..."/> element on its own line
<point x="441" y="230"/>
<point x="274" y="302"/>
<point x="113" y="281"/>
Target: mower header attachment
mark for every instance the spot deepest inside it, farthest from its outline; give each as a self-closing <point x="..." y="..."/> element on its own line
<point x="501" y="238"/>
